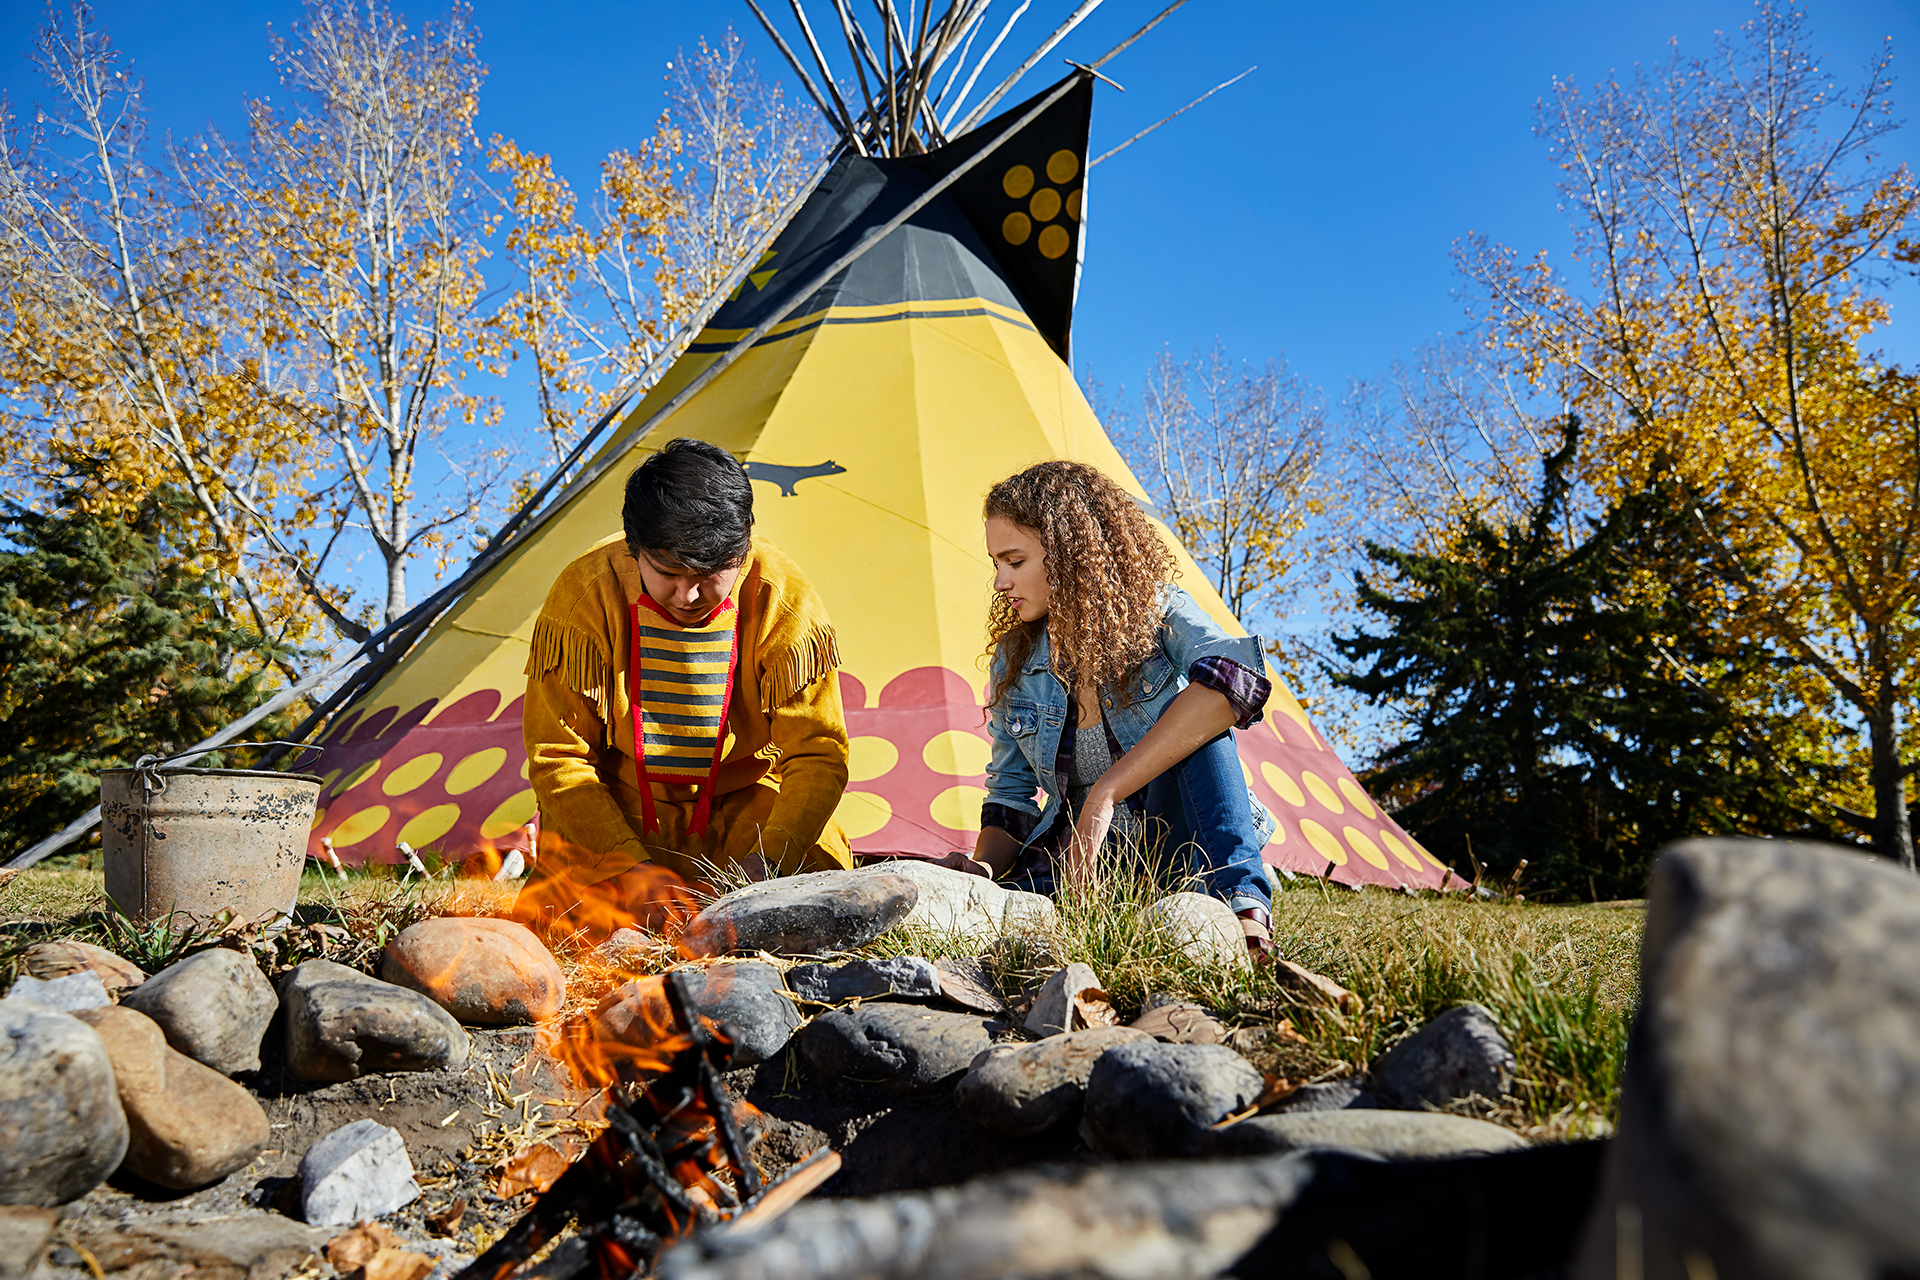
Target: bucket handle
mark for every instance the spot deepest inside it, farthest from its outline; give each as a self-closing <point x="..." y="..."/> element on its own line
<point x="147" y="768"/>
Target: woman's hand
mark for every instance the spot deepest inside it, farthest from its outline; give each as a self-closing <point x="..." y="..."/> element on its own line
<point x="1089" y="836"/>
<point x="961" y="860"/>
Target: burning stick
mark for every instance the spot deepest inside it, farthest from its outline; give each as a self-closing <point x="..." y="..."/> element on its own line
<point x="326" y="847"/>
<point x="649" y="1178"/>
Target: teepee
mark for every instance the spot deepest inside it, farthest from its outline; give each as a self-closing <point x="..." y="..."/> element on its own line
<point x="898" y="347"/>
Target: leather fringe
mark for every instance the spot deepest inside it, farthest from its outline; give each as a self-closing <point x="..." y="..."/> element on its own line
<point x="583" y="667"/>
<point x="816" y="654"/>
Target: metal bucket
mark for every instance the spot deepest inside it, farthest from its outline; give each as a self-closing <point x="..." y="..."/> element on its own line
<point x="202" y="841"/>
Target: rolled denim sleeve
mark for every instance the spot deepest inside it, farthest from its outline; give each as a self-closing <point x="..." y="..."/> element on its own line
<point x="1011" y="782"/>
<point x="1246" y="691"/>
<point x="1188" y="634"/>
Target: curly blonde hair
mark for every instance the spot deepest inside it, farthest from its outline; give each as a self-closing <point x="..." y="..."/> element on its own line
<point x="1106" y="566"/>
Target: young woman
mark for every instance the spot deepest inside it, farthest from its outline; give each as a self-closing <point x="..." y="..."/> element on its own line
<point x="1114" y="695"/>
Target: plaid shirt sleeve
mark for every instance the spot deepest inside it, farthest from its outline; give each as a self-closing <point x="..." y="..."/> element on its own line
<point x="1009" y="819"/>
<point x="1245" y="690"/>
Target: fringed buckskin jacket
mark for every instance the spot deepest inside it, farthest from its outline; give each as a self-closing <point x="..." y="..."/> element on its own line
<point x="784" y="727"/>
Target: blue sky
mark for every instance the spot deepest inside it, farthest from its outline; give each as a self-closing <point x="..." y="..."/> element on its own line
<point x="1308" y="211"/>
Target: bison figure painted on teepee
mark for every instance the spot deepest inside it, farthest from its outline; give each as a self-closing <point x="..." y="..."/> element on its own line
<point x="890" y="392"/>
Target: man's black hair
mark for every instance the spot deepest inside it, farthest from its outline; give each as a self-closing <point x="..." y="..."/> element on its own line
<point x="690" y="504"/>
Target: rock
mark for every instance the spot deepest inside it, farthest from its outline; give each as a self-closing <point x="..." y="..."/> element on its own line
<point x="814" y="914"/>
<point x="1203" y="927"/>
<point x="897" y="977"/>
<point x="745" y="998"/>
<point x="625" y="949"/>
<point x="1068" y="1001"/>
<point x="967" y="983"/>
<point x="61" y="1128"/>
<point x="1459" y="1055"/>
<point x="902" y="1046"/>
<point x="57" y="959"/>
<point x="1148" y="1100"/>
<point x="491" y="972"/>
<point x="956" y="904"/>
<point x="1311" y="988"/>
<point x="360" y="1170"/>
<point x="214" y="1006"/>
<point x="1174" y="1221"/>
<point x="1768" y="1125"/>
<point x="1017" y="1090"/>
<point x="1389" y="1135"/>
<point x="68" y="993"/>
<point x="340" y="1024"/>
<point x="1328" y="1095"/>
<point x="188" y="1125"/>
<point x="24" y="1232"/>
<point x="1180" y="1022"/>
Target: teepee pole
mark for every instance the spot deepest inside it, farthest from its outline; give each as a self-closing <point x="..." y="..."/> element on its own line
<point x="1176" y="115"/>
<point x="1060" y="33"/>
<point x="846" y="134"/>
<point x="826" y="74"/>
<point x="1121" y="48"/>
<point x="973" y="27"/>
<point x="981" y="65"/>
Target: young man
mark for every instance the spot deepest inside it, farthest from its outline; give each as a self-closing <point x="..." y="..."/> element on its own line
<point x="681" y="704"/>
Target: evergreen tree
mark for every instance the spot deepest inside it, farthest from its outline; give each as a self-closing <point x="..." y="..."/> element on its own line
<point x="111" y="646"/>
<point x="1569" y="706"/>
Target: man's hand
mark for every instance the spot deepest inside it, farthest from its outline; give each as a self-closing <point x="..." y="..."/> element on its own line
<point x="960" y="860"/>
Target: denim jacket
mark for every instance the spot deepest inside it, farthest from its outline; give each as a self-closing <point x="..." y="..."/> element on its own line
<point x="1026" y="724"/>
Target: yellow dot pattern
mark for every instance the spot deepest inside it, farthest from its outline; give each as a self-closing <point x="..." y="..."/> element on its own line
<point x="1317" y="787"/>
<point x="1324" y="842"/>
<point x="958" y="753"/>
<point x="1399" y="850"/>
<point x="1356" y="797"/>
<point x="429" y="825"/>
<point x="958" y="808"/>
<point x="411" y="775"/>
<point x="1283" y="784"/>
<point x="514" y="812"/>
<point x="357" y="826"/>
<point x="870" y="757"/>
<point x="862" y="813"/>
<point x="1041" y="205"/>
<point x="474" y="770"/>
<point x="358" y="776"/>
<point x="1369" y="851"/>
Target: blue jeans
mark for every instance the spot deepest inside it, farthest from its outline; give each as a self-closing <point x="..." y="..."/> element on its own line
<point x="1202" y="802"/>
<point x="1199" y="822"/>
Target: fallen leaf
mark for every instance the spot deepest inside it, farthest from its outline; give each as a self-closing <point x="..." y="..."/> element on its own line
<point x="398" y="1264"/>
<point x="535" y="1169"/>
<point x="447" y="1220"/>
<point x="353" y="1249"/>
<point x="1091" y="1008"/>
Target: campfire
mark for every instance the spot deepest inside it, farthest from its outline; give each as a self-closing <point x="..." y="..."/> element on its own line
<point x="675" y="1157"/>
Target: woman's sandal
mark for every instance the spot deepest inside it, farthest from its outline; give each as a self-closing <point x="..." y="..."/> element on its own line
<point x="1257" y="925"/>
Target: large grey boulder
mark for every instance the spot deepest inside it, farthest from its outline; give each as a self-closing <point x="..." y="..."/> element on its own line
<point x="807" y="915"/>
<point x="954" y="904"/>
<point x="214" y="1006"/>
<point x="1770" y="1118"/>
<point x="1390" y="1135"/>
<point x="341" y="1024"/>
<point x="902" y="1046"/>
<point x="745" y="998"/>
<point x="1203" y="927"/>
<point x="69" y="993"/>
<point x="61" y="1128"/>
<point x="1149" y="1100"/>
<point x="1460" y="1055"/>
<point x="1018" y="1089"/>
